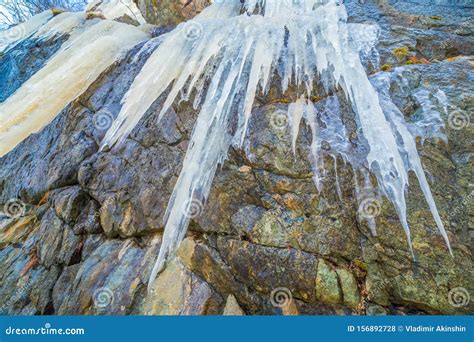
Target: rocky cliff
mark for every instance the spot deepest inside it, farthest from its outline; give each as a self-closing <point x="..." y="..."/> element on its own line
<point x="81" y="228"/>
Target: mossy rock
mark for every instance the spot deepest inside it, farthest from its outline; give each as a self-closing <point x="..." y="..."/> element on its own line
<point x="327" y="284"/>
<point x="56" y="11"/>
<point x="401" y="53"/>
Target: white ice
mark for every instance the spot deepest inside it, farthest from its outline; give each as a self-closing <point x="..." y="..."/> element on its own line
<point x="88" y="52"/>
<point x="63" y="23"/>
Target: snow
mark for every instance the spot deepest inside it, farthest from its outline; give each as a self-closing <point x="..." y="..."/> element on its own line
<point x="88" y="52"/>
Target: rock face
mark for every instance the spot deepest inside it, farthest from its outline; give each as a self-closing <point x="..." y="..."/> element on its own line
<point x="170" y="12"/>
<point x="87" y="225"/>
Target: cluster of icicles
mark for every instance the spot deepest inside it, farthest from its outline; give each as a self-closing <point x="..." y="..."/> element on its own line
<point x="231" y="52"/>
<point x="239" y="52"/>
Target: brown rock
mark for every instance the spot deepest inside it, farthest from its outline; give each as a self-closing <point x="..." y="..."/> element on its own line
<point x="179" y="292"/>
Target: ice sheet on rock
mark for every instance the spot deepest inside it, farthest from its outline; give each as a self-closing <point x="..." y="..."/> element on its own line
<point x="329" y="138"/>
<point x="79" y="62"/>
<point x="16" y="34"/>
<point x="428" y="122"/>
<point x="364" y="38"/>
<point x="302" y="43"/>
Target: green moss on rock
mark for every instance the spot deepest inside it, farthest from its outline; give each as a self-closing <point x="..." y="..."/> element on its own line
<point x="327" y="285"/>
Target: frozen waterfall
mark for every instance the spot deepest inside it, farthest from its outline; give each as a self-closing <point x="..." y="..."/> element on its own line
<point x="239" y="50"/>
<point x="90" y="49"/>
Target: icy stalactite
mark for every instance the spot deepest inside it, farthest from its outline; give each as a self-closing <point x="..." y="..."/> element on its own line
<point x="16" y="34"/>
<point x="240" y="51"/>
<point x="327" y="127"/>
<point x="63" y="23"/>
<point x="295" y="114"/>
<point x="113" y="9"/>
<point x="408" y="147"/>
<point x="79" y="62"/>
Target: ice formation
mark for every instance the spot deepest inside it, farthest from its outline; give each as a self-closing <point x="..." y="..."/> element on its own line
<point x="236" y="51"/>
<point x="63" y="23"/>
<point x="90" y="49"/>
<point x="16" y="34"/>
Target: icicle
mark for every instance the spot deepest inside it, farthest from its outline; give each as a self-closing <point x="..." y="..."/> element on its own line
<point x="295" y="114"/>
<point x="409" y="147"/>
<point x="66" y="76"/>
<point x="316" y="159"/>
<point x="209" y="144"/>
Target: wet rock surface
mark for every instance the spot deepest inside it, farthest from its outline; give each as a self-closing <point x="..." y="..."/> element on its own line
<point x="90" y="223"/>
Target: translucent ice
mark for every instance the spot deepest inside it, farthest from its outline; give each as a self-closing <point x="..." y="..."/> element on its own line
<point x="240" y="51"/>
